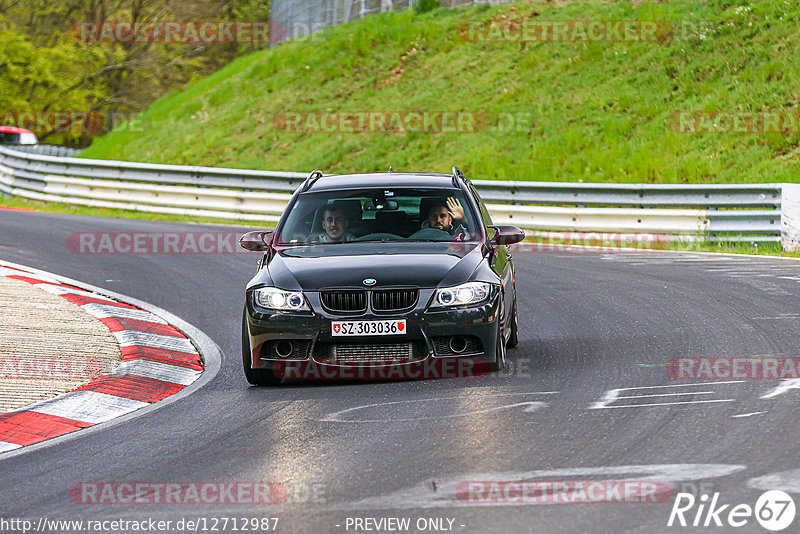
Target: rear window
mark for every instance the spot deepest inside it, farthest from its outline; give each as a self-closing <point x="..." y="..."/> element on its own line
<point x="385" y="215"/>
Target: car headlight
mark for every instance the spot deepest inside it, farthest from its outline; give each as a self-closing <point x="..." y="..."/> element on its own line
<point x="277" y="299"/>
<point x="465" y="294"/>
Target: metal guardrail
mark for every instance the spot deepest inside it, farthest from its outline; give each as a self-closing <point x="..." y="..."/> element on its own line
<point x="300" y="18"/>
<point x="633" y="195"/>
<point x="719" y="212"/>
<point x="45" y="150"/>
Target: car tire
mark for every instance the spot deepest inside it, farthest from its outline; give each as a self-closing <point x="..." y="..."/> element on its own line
<point x="500" y="350"/>
<point x="256" y="377"/>
<point x="513" y="339"/>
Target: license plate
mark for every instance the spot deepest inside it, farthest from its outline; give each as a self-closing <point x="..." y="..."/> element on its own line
<point x="368" y="328"/>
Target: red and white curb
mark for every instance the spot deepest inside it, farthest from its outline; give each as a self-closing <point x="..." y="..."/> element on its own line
<point x="158" y="361"/>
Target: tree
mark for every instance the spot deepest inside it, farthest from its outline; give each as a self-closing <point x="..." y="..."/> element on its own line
<point x="45" y="65"/>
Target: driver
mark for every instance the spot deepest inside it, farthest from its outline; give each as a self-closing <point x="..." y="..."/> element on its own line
<point x="335" y="223"/>
<point x="446" y="215"/>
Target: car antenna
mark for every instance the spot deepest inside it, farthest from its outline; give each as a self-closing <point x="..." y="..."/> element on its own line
<point x="456" y="175"/>
<point x="313" y="177"/>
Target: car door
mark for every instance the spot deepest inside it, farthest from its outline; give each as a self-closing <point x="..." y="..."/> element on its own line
<point x="500" y="261"/>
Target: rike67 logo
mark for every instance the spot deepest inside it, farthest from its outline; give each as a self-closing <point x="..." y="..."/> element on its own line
<point x="774" y="510"/>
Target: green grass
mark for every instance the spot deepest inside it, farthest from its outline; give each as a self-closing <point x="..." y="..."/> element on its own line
<point x="599" y="112"/>
<point x="557" y="241"/>
<point x="767" y="249"/>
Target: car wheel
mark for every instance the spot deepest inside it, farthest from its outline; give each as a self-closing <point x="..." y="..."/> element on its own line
<point x="513" y="339"/>
<point x="500" y="349"/>
<point x="257" y="377"/>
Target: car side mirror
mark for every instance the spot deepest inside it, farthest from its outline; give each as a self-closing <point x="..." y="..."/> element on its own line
<point x="258" y="241"/>
<point x="506" y="235"/>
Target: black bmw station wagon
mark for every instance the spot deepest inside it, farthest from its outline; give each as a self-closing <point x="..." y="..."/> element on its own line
<point x="397" y="271"/>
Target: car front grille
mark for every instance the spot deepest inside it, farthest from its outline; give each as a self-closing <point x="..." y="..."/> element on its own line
<point x="393" y="299"/>
<point x="344" y="300"/>
<point x="370" y="353"/>
<point x="355" y="300"/>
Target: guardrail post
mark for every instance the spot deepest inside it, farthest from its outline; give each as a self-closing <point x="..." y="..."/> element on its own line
<point x="790" y="217"/>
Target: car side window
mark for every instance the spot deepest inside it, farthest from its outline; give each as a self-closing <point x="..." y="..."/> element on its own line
<point x="487" y="219"/>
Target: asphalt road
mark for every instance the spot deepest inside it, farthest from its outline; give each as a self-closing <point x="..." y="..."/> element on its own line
<point x="590" y="323"/>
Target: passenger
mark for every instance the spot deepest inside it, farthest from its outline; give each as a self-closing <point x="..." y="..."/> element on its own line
<point x="446" y="215"/>
<point x="335" y="223"/>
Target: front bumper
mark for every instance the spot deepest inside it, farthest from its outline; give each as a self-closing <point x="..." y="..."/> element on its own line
<point x="425" y="343"/>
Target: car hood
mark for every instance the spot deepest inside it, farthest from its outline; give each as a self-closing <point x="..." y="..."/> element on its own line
<point x="323" y="267"/>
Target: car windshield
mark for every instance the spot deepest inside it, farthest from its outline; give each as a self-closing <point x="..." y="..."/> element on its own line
<point x="380" y="215"/>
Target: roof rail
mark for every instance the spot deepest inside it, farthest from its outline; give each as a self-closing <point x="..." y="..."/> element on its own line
<point x="315" y="175"/>
<point x="457" y="174"/>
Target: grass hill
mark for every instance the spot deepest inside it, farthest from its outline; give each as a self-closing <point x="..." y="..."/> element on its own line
<point x="603" y="111"/>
